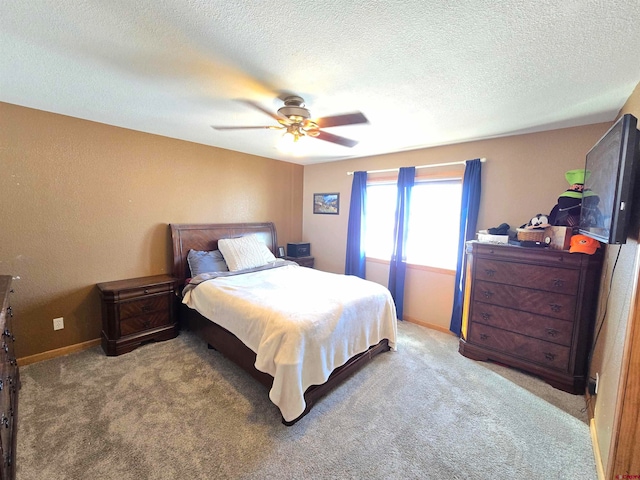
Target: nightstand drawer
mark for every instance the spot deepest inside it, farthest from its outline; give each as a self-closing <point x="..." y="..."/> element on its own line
<point x="144" y="322"/>
<point x="144" y="306"/>
<point x="302" y="261"/>
<point x="143" y="291"/>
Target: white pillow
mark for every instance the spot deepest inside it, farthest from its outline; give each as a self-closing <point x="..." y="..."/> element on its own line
<point x="244" y="252"/>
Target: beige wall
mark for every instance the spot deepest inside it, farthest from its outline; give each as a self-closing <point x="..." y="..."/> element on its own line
<point x="608" y="355"/>
<point x="523" y="176"/>
<point x="84" y="202"/>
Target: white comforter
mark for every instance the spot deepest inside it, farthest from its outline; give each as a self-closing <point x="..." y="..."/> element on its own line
<point x="301" y="323"/>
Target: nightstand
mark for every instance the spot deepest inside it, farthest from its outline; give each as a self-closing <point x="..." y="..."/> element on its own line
<point x="137" y="310"/>
<point x="302" y="261"/>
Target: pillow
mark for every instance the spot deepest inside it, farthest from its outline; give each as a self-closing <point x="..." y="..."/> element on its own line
<point x="245" y="252"/>
<point x="203" y="262"/>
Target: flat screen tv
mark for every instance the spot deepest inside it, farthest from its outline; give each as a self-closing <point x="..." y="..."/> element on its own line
<point x="610" y="174"/>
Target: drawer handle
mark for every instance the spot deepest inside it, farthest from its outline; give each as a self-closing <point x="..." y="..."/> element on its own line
<point x="485" y="315"/>
<point x="4" y="421"/>
<point x="560" y="259"/>
<point x="13" y="362"/>
<point x="551" y="332"/>
<point x="558" y="283"/>
<point x="146" y="308"/>
<point x="1" y="384"/>
<point x="5" y="347"/>
<point x="487" y="293"/>
<point x="10" y="311"/>
<point x="146" y="290"/>
<point x="549" y="356"/>
<point x="7" y="333"/>
<point x="555" y="307"/>
<point x="489" y="272"/>
<point x="484" y="336"/>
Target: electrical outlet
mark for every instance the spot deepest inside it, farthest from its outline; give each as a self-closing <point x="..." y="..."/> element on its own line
<point x="58" y="323"/>
<point x="597" y="381"/>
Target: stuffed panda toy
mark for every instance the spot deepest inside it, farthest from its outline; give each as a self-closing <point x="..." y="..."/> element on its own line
<point x="538" y="222"/>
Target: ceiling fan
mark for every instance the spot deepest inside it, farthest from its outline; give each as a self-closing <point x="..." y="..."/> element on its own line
<point x="296" y="121"/>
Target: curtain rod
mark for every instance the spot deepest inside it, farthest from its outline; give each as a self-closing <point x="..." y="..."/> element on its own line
<point x="421" y="166"/>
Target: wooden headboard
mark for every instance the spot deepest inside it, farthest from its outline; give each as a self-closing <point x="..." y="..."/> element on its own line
<point x="205" y="236"/>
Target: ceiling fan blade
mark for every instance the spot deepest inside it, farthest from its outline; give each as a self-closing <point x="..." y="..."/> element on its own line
<point x="257" y="106"/>
<point x="284" y="94"/>
<point x="330" y="137"/>
<point x="270" y="127"/>
<point x="339" y="120"/>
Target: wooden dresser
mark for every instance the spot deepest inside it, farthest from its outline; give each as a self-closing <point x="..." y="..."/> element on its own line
<point x="9" y="384"/>
<point x="137" y="310"/>
<point x="532" y="309"/>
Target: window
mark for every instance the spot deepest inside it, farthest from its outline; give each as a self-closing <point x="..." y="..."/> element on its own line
<point x="434" y="222"/>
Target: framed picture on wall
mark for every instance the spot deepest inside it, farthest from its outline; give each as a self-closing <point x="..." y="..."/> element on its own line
<point x="326" y="203"/>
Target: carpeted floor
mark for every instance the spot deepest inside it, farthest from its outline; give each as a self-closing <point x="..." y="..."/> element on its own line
<point x="176" y="410"/>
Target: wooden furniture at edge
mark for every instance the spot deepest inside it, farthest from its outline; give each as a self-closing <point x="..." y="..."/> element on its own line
<point x="9" y="385"/>
<point x="532" y="309"/>
<point x="624" y="453"/>
<point x="205" y="237"/>
<point x="302" y="261"/>
<point x="137" y="310"/>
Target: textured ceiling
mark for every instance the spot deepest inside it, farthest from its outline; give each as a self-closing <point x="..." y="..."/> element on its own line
<point x="424" y="72"/>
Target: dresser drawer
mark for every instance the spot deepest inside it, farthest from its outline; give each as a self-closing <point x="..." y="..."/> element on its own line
<point x="144" y="322"/>
<point x="551" y="279"/>
<point x="550" y="304"/>
<point x="525" y="323"/>
<point x="144" y="306"/>
<point x="538" y="351"/>
<point x="534" y="256"/>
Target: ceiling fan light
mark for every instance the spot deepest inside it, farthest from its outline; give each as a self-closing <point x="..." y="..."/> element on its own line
<point x="290" y="143"/>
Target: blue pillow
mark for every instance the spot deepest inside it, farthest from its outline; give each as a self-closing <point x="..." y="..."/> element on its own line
<point x="204" y="262"/>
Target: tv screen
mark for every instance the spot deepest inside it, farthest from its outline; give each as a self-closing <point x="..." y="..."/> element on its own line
<point x="610" y="172"/>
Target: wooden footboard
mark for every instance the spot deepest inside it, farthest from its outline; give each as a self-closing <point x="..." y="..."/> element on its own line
<point x="355" y="363"/>
<point x="231" y="347"/>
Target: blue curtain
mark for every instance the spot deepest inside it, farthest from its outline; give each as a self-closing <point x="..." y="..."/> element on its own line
<point x="398" y="265"/>
<point x="355" y="263"/>
<point x="468" y="221"/>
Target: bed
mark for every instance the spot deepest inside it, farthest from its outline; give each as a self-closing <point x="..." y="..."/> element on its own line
<point x="234" y="345"/>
